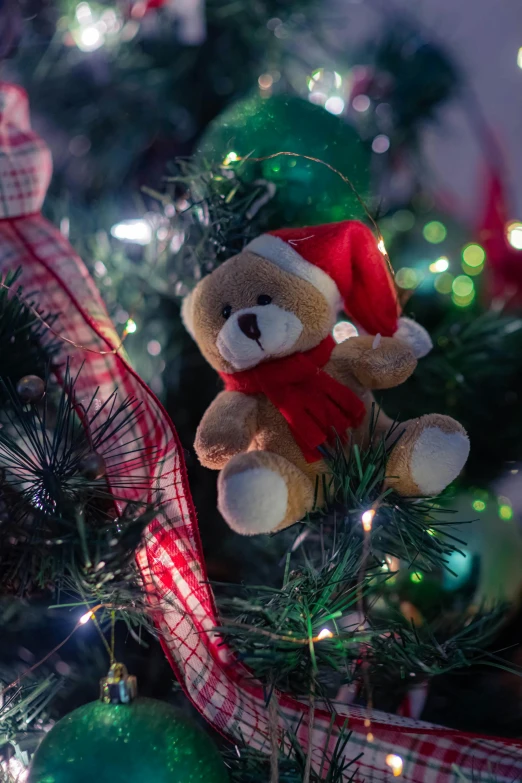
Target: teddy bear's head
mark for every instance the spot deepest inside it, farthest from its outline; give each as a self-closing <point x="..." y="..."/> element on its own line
<point x="283" y="292"/>
<point x="249" y="310"/>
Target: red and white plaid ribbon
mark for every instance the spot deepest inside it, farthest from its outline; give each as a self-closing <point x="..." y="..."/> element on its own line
<point x="171" y="560"/>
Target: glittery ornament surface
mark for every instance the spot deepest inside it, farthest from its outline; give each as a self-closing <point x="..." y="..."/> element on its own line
<point x="307" y="192"/>
<point x="146" y="741"/>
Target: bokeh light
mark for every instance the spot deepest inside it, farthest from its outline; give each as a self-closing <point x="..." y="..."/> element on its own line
<point x="265" y="81"/>
<point x="443" y="283"/>
<point x="343" y="330"/>
<point x="361" y="103"/>
<point x="408" y="278"/>
<point x="514" y="235"/>
<point x="380" y="144"/>
<point x="335" y="105"/>
<point x="505" y="512"/>
<point x="416" y="577"/>
<point x="434" y="232"/>
<point x="479" y="505"/>
<point x="463" y="286"/>
<point x="440" y="265"/>
<point x="403" y="220"/>
<point x="395" y="763"/>
<point x="474" y="255"/>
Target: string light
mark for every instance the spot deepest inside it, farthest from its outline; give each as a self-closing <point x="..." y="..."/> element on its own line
<point x="86" y="617"/>
<point x="324" y="633"/>
<point x="519" y="58"/>
<point x="137" y="231"/>
<point x="382" y="247"/>
<point x="367" y="520"/>
<point x="232" y="157"/>
<point x="514" y="235"/>
<point x="395" y="763"/>
<point x="440" y="265"/>
<point x="131" y="326"/>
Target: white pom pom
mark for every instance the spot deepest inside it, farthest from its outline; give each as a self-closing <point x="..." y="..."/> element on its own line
<point x="414" y="335"/>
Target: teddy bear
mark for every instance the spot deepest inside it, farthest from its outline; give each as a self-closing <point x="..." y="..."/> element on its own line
<point x="263" y="319"/>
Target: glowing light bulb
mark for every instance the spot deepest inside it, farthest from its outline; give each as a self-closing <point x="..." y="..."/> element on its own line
<point x="479" y="505"/>
<point x="395" y="763"/>
<point x="440" y="265"/>
<point x="89" y="39"/>
<point x="367" y="520"/>
<point x="334" y="105"/>
<point x="514" y="235"/>
<point x="519" y="58"/>
<point x="381" y="246"/>
<point x="230" y="158"/>
<point x="137" y="231"/>
<point x="325" y="633"/>
<point x="130" y="326"/>
<point x="86" y="617"/>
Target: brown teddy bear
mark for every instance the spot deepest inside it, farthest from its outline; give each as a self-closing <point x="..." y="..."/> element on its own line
<point x="264" y="321"/>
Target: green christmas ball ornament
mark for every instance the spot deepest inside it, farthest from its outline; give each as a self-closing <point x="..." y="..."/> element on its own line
<point x="141" y="740"/>
<point x="307" y="192"/>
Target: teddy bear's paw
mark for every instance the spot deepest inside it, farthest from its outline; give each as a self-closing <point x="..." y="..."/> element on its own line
<point x="259" y="492"/>
<point x="428" y="456"/>
<point x="414" y="335"/>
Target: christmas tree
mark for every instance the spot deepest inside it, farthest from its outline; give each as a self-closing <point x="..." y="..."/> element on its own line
<point x="180" y="133"/>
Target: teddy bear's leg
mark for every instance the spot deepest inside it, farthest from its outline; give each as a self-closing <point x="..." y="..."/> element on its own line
<point x="259" y="492"/>
<point x="428" y="455"/>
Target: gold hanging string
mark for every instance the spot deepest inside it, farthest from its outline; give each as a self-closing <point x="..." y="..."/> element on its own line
<point x="90" y="615"/>
<point x="30" y="306"/>
<point x="345" y="179"/>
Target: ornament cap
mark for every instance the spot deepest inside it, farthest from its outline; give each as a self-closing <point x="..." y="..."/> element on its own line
<point x="118" y="687"/>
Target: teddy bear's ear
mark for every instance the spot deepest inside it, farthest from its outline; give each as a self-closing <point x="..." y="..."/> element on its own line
<point x="187" y="313"/>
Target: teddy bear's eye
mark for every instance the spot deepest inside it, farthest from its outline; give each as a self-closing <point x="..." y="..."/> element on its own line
<point x="226" y="311"/>
<point x="264" y="299"/>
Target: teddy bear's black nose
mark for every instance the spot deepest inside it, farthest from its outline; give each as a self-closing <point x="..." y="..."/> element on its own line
<point x="248" y="325"/>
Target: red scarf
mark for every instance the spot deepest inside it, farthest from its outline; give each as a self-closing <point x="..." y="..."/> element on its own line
<point x="315" y="405"/>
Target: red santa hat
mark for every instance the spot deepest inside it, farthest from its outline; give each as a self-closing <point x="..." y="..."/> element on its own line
<point x="342" y="260"/>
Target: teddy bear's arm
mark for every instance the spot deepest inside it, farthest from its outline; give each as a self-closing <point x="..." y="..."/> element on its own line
<point x="226" y="429"/>
<point x="376" y="362"/>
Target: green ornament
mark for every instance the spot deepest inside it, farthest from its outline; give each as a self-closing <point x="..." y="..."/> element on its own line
<point x="307" y="192"/>
<point x="146" y="740"/>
